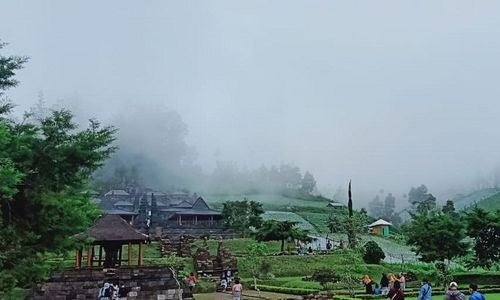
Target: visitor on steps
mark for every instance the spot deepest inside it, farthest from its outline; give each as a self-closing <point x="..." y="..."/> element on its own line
<point x="223" y="282"/>
<point x="105" y="292"/>
<point x="123" y="292"/>
<point x="396" y="293"/>
<point x="474" y="294"/>
<point x="237" y="290"/>
<point x="453" y="293"/>
<point x="425" y="292"/>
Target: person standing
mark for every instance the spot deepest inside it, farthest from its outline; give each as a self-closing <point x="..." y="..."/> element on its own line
<point x="229" y="275"/>
<point x="402" y="281"/>
<point x="396" y="293"/>
<point x="392" y="278"/>
<point x="384" y="284"/>
<point x="237" y="289"/>
<point x="191" y="281"/>
<point x="123" y="292"/>
<point x="105" y="292"/>
<point x="425" y="292"/>
<point x="474" y="294"/>
<point x="453" y="293"/>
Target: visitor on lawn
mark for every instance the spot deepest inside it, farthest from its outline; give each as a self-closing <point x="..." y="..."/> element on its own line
<point x="310" y="251"/>
<point x="402" y="281"/>
<point x="328" y="246"/>
<point x="384" y="284"/>
<point x="368" y="282"/>
<point x="377" y="290"/>
<point x="237" y="289"/>
<point x="392" y="279"/>
<point x="425" y="292"/>
<point x="453" y="293"/>
<point x="474" y="294"/>
<point x="191" y="281"/>
<point x="396" y="293"/>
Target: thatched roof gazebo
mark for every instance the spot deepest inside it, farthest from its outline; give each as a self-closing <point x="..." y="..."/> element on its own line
<point x="110" y="233"/>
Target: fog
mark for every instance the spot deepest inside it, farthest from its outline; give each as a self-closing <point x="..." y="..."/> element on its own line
<point x="390" y="94"/>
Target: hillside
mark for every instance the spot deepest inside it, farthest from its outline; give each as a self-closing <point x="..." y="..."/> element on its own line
<point x="464" y="201"/>
<point x="490" y="203"/>
<point x="270" y="202"/>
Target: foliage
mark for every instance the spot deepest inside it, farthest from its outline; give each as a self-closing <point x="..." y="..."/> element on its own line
<point x="436" y="236"/>
<point x="373" y="254"/>
<point x="242" y="215"/>
<point x="421" y="200"/>
<point x="44" y="165"/>
<point x="325" y="275"/>
<point x="308" y="183"/>
<point x="281" y="231"/>
<point x="484" y="227"/>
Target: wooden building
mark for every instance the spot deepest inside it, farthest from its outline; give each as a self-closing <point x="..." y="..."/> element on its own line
<point x="380" y="227"/>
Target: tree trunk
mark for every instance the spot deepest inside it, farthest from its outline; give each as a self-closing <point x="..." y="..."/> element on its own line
<point x="282" y="246"/>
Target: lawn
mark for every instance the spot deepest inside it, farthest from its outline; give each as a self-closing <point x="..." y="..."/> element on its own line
<point x="270" y="202"/>
<point x="289" y="216"/>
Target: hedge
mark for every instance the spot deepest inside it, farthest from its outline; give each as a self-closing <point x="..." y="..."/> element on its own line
<point x="285" y="290"/>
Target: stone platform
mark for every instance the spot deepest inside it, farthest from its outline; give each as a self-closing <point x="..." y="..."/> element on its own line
<point x="145" y="283"/>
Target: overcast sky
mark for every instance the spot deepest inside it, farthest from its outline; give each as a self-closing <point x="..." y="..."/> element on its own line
<point x="388" y="93"/>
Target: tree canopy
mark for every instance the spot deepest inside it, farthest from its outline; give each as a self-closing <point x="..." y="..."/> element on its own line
<point x="437" y="236"/>
<point x="44" y="167"/>
<point x="484" y="228"/>
<point x="281" y="231"/>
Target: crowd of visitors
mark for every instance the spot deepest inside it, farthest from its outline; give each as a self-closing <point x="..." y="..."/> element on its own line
<point x="393" y="287"/>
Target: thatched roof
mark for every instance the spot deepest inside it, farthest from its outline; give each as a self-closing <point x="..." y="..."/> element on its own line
<point x="112" y="228"/>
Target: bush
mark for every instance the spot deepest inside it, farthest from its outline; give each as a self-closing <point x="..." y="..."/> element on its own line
<point x="324" y="276"/>
<point x="373" y="253"/>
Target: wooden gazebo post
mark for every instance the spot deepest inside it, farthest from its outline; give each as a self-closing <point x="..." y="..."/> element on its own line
<point x="139" y="255"/>
<point x="129" y="254"/>
<point x="78" y="259"/>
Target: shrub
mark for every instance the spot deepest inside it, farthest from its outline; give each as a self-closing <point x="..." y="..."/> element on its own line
<point x="373" y="253"/>
<point x="324" y="276"/>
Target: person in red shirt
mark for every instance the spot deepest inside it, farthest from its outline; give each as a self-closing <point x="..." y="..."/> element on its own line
<point x="191" y="281"/>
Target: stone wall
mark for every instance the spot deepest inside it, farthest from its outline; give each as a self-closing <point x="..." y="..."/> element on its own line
<point x="146" y="283"/>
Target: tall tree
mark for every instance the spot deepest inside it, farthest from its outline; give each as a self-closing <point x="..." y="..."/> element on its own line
<point x="484" y="228"/>
<point x="281" y="231"/>
<point x="436" y="236"/>
<point x="376" y="207"/>
<point x="351" y="223"/>
<point x="308" y="183"/>
<point x="43" y="168"/>
<point x="242" y="215"/>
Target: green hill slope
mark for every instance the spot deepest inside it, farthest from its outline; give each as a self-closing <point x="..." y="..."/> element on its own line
<point x="464" y="201"/>
<point x="490" y="203"/>
<point x="270" y="202"/>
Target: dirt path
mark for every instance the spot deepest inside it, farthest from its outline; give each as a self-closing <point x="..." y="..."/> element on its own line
<point x="246" y="295"/>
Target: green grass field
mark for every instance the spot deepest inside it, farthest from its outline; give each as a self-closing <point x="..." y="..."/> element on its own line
<point x="270" y="202"/>
<point x="289" y="216"/>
